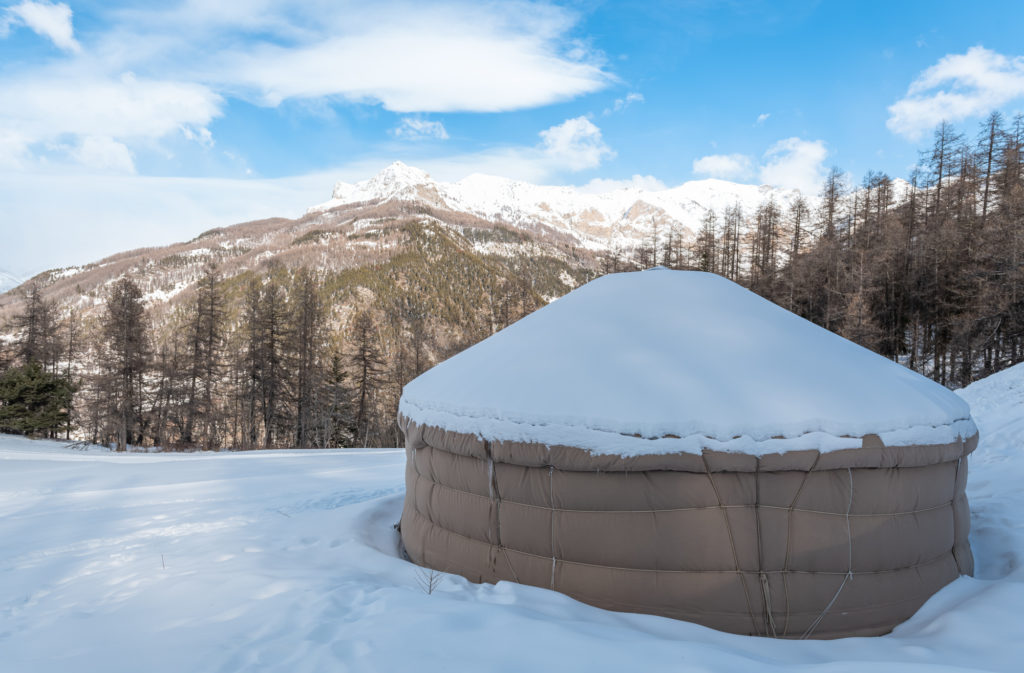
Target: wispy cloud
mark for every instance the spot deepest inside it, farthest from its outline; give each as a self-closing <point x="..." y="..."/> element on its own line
<point x="762" y="118"/>
<point x="723" y="166"/>
<point x="49" y="20"/>
<point x="957" y="87"/>
<point x="49" y="105"/>
<point x="624" y="102"/>
<point x="569" y="147"/>
<point x="150" y="72"/>
<point x="412" y="128"/>
<point x="103" y="153"/>
<point x="422" y="58"/>
<point x="199" y="135"/>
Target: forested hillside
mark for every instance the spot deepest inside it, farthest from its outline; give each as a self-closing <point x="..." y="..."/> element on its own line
<point x="302" y="333"/>
<point x="275" y="356"/>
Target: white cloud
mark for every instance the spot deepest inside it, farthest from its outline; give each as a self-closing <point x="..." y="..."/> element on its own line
<point x="957" y="87"/>
<point x="762" y="118"/>
<point x="420" y="129"/>
<point x="795" y="164"/>
<point x="623" y="103"/>
<point x="13" y="149"/>
<point x="125" y="106"/>
<point x="199" y="135"/>
<point x="54" y="103"/>
<point x="419" y="57"/>
<point x="723" y="166"/>
<point x="104" y="154"/>
<point x="792" y="163"/>
<point x="602" y="185"/>
<point x="49" y="20"/>
<point x="190" y="57"/>
<point x="575" y="144"/>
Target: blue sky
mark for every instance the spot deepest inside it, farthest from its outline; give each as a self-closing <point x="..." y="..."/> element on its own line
<point x="126" y="124"/>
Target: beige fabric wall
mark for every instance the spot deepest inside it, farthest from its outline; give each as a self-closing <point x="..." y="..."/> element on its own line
<point x="800" y="544"/>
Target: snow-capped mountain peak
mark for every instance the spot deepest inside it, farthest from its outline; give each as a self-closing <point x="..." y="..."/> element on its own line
<point x="400" y="173"/>
<point x="617" y="217"/>
<point x="398" y="180"/>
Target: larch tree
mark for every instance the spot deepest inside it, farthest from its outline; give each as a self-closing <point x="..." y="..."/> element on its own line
<point x="265" y="338"/>
<point x="204" y="356"/>
<point x="35" y="330"/>
<point x="366" y="364"/>
<point x="707" y="243"/>
<point x="307" y="346"/>
<point x="124" y="361"/>
<point x="730" y="245"/>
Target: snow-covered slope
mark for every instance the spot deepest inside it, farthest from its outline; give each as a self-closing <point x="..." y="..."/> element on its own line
<point x="997" y="472"/>
<point x="362" y="224"/>
<point x="287" y="561"/>
<point x="661" y="361"/>
<point x="621" y="216"/>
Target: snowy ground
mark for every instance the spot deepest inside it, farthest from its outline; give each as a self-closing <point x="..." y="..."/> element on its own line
<point x="287" y="561"/>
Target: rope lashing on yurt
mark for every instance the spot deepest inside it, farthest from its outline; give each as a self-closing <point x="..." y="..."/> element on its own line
<point x="766" y="593"/>
<point x="849" y="572"/>
<point x="732" y="543"/>
<point x="495" y="495"/>
<point x="551" y="499"/>
<point x="789" y="537"/>
<point x="956" y="535"/>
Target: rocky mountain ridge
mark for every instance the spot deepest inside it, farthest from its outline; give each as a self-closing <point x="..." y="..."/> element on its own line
<point x="565" y="230"/>
<point x="618" y="218"/>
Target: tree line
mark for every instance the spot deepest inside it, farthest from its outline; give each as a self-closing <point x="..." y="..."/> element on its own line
<point x="927" y="272"/>
<point x="272" y="376"/>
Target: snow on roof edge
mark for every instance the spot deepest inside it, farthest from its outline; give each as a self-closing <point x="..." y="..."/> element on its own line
<point x="604" y="442"/>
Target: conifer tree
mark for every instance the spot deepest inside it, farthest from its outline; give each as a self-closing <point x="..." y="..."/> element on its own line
<point x="33" y="401"/>
<point x="35" y="330"/>
<point x="204" y="356"/>
<point x="366" y="364"/>
<point x="307" y="344"/>
<point x="124" y="361"/>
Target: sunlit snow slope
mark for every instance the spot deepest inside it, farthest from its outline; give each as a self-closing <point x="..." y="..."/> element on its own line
<point x="287" y="561"/>
<point x="620" y="216"/>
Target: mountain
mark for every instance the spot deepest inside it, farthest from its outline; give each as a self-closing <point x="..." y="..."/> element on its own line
<point x="370" y="235"/>
<point x="413" y="268"/>
<point x="620" y="218"/>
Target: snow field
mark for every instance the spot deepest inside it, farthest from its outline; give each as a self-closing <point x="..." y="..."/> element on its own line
<point x="287" y="561"/>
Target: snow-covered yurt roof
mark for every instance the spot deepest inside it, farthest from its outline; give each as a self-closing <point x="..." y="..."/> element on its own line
<point x="664" y="361"/>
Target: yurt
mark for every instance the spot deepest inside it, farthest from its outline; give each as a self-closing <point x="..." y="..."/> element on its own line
<point x="668" y="442"/>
